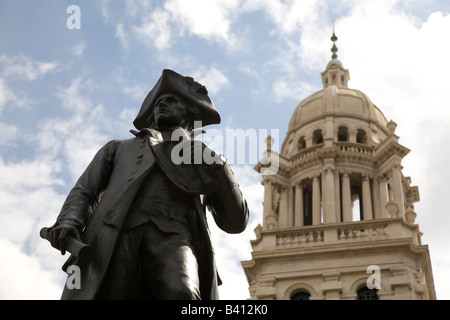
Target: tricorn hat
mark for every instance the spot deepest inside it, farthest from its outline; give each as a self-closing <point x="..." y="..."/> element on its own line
<point x="188" y="90"/>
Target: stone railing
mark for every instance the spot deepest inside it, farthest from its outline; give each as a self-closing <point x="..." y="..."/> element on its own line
<point x="336" y="233"/>
<point x="355" y="148"/>
<point x="306" y="153"/>
<point x="365" y="232"/>
<point x="299" y="238"/>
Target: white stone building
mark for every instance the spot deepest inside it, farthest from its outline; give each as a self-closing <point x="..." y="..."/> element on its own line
<point x="338" y="217"/>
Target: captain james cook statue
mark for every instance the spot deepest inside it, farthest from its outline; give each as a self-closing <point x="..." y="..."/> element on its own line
<point x="141" y="211"/>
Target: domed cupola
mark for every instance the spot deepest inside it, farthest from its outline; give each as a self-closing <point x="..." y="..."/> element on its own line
<point x="335" y="114"/>
<point x="336" y="204"/>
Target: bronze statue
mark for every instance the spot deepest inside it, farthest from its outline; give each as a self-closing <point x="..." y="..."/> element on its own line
<point x="140" y="215"/>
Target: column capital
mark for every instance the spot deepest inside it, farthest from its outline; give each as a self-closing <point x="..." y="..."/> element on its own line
<point x="329" y="168"/>
<point x="397" y="166"/>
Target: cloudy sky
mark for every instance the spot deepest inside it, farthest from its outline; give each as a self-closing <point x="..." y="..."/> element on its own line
<point x="64" y="92"/>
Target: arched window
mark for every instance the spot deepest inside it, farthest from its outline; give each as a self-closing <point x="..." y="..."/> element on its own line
<point x="361" y="136"/>
<point x="317" y="137"/>
<point x="342" y="134"/>
<point x="301" y="143"/>
<point x="367" y="294"/>
<point x="302" y="295"/>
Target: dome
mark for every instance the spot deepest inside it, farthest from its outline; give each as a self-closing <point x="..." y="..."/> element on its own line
<point x="336" y="101"/>
<point x="335" y="114"/>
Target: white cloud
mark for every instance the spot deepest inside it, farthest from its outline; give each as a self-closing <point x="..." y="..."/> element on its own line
<point x="208" y="19"/>
<point x="287" y="16"/>
<point x="29" y="201"/>
<point x="22" y="276"/>
<point x="155" y="30"/>
<point x="78" y="49"/>
<point x="22" y="67"/>
<point x="137" y="91"/>
<point x="291" y="88"/>
<point x="8" y="132"/>
<point x="213" y="79"/>
<point x="122" y="36"/>
<point x="8" y="98"/>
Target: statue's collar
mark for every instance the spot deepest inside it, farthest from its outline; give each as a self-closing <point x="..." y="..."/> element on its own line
<point x="148" y="132"/>
<point x="158" y="135"/>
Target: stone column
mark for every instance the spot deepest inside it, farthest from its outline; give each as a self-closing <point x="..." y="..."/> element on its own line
<point x="299" y="214"/>
<point x="376" y="198"/>
<point x="290" y="220"/>
<point x="337" y="196"/>
<point x="267" y="209"/>
<point x="316" y="201"/>
<point x="367" y="198"/>
<point x="384" y="196"/>
<point x="352" y="135"/>
<point x="329" y="203"/>
<point x="398" y="190"/>
<point x="283" y="210"/>
<point x="346" y="198"/>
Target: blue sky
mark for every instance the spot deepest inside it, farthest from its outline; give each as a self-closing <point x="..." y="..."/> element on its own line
<point x="64" y="93"/>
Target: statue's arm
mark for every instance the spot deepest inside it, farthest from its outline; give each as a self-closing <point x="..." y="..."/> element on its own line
<point x="226" y="203"/>
<point x="85" y="195"/>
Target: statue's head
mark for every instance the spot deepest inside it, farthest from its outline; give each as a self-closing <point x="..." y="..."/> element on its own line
<point x="173" y="97"/>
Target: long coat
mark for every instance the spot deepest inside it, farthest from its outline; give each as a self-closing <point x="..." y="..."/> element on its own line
<point x="100" y="199"/>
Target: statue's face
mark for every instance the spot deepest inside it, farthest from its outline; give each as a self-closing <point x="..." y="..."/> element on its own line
<point x="170" y="112"/>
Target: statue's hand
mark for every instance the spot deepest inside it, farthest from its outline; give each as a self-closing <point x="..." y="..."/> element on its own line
<point x="59" y="235"/>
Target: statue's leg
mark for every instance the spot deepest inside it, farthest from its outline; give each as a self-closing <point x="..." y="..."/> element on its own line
<point x="123" y="278"/>
<point x="169" y="266"/>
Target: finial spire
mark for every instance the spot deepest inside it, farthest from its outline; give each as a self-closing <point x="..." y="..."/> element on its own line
<point x="334" y="49"/>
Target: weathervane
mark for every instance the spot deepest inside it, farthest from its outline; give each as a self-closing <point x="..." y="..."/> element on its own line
<point x="334" y="49"/>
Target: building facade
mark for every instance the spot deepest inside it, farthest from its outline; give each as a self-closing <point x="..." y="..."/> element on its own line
<point x="338" y="214"/>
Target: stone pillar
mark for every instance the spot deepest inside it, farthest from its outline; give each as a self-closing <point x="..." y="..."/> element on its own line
<point x="367" y="198"/>
<point x="267" y="209"/>
<point x="283" y="210"/>
<point x="290" y="220"/>
<point x="299" y="205"/>
<point x="398" y="190"/>
<point x="384" y="196"/>
<point x="352" y="135"/>
<point x="347" y="213"/>
<point x="337" y="196"/>
<point x="329" y="203"/>
<point x="376" y="198"/>
<point x="332" y="286"/>
<point x="316" y="201"/>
